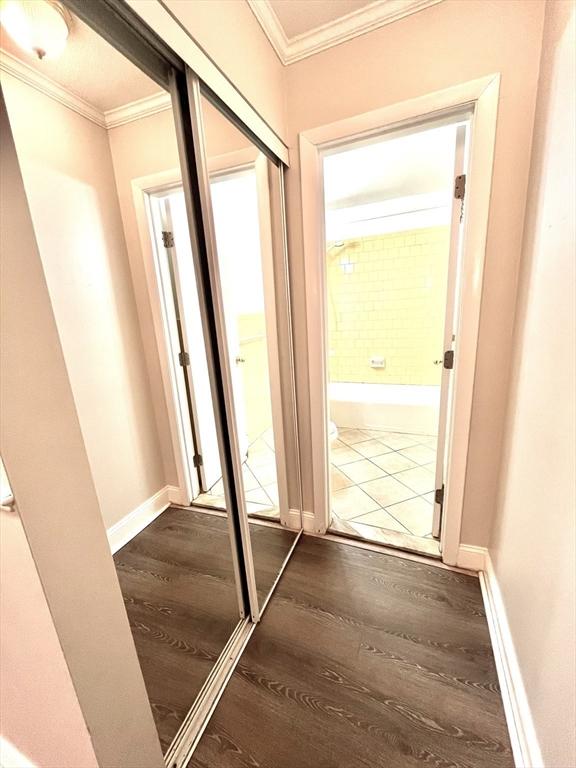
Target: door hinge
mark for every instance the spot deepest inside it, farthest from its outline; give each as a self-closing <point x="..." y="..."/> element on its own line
<point x="439" y="496"/>
<point x="183" y="358"/>
<point x="449" y="359"/>
<point x="197" y="460"/>
<point x="460" y="187"/>
<point x="168" y="239"/>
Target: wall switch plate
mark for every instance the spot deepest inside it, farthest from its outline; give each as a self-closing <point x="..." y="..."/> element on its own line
<point x="377" y="362"/>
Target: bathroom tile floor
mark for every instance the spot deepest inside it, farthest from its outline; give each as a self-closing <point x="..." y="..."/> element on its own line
<point x="383" y="487"/>
<point x="260" y="486"/>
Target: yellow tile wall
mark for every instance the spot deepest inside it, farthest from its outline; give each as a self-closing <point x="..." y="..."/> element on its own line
<point x="390" y="303"/>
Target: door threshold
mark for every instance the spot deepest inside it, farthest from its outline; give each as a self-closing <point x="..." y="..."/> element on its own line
<point x="405" y="541"/>
<point x="387" y="549"/>
<point x="272" y="522"/>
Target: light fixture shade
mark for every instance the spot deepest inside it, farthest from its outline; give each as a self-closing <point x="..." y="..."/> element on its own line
<point x="39" y="27"/>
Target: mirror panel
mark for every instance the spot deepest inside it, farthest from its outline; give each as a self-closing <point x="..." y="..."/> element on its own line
<point x="240" y="209"/>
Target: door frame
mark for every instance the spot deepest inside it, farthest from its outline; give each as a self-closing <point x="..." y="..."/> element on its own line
<point x="172" y="380"/>
<point x="481" y="96"/>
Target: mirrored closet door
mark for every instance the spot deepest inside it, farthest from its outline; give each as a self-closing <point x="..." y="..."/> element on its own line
<point x="236" y="175"/>
<point x="163" y="275"/>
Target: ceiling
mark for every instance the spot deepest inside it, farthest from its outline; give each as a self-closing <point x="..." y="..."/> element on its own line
<point x="297" y="17"/>
<point x="89" y="68"/>
<point x="419" y="163"/>
<point x="300" y="28"/>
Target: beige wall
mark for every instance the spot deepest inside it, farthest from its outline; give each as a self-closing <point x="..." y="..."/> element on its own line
<point x="45" y="454"/>
<point x="143" y="148"/>
<point x="35" y="681"/>
<point x="534" y="539"/>
<point x="448" y="43"/>
<point x="67" y="170"/>
<point x="233" y="38"/>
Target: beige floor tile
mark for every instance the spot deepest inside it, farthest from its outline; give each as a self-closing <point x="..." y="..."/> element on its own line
<point x="265" y="474"/>
<point x="429" y="497"/>
<point x="262" y="510"/>
<point x="419" y="479"/>
<point x="352" y="436"/>
<point x="272" y="492"/>
<point x="377" y="433"/>
<point x="414" y="514"/>
<point x="339" y="479"/>
<point x="371" y="448"/>
<point x="343" y="455"/>
<point x="351" y="502"/>
<point x="361" y="471"/>
<point x="250" y="482"/>
<point x="258" y="496"/>
<point x="381" y="519"/>
<point x="217" y="489"/>
<point x="386" y="491"/>
<point x="397" y="440"/>
<point x="393" y="462"/>
<point x="419" y="454"/>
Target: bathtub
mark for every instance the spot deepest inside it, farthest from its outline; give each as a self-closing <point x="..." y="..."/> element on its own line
<point x="392" y="407"/>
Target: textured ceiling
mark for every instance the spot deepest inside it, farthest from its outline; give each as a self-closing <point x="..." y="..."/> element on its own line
<point x="90" y="68"/>
<point x="299" y="16"/>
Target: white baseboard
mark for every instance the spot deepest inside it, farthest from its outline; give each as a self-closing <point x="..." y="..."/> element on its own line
<point x="177" y="495"/>
<point x="523" y="737"/>
<point x="294" y="519"/>
<point x="309" y="522"/>
<point x="470" y="557"/>
<point x="131" y="524"/>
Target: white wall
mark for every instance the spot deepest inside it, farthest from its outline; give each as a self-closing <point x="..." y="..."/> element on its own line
<point x="445" y="44"/>
<point x="534" y="539"/>
<point x="69" y="180"/>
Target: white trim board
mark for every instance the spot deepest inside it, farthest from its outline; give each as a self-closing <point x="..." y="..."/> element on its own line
<point x="481" y="97"/>
<point x="525" y="746"/>
<point x="359" y="22"/>
<point x="471" y="558"/>
<point x="135" y="521"/>
<point x="134" y="110"/>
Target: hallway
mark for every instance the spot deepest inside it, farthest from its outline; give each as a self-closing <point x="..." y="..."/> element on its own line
<point x="363" y="660"/>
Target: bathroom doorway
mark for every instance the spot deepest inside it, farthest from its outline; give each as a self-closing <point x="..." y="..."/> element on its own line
<point x="394" y="206"/>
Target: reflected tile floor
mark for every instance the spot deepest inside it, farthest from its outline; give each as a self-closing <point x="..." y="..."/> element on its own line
<point x="383" y="486"/>
<point x="260" y="486"/>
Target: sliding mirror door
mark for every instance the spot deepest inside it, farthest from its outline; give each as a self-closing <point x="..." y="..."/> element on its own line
<point x="236" y="209"/>
<point x="101" y="169"/>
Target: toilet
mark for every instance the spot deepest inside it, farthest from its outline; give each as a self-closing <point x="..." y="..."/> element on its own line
<point x="332" y="432"/>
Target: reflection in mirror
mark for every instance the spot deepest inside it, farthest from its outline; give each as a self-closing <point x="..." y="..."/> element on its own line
<point x="240" y="204"/>
<point x="88" y="196"/>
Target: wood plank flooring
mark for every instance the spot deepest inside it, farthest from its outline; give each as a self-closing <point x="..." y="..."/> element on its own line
<point x="177" y="580"/>
<point x="363" y="660"/>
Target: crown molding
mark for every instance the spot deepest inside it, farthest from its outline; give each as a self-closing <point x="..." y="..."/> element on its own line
<point x="21" y="71"/>
<point x="112" y="118"/>
<point x="373" y="16"/>
<point x="135" y="110"/>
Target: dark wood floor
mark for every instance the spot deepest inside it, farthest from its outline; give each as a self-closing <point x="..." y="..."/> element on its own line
<point x="363" y="660"/>
<point x="178" y="585"/>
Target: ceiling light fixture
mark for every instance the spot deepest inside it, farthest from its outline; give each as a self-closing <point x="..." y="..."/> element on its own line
<point x="39" y="27"/>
